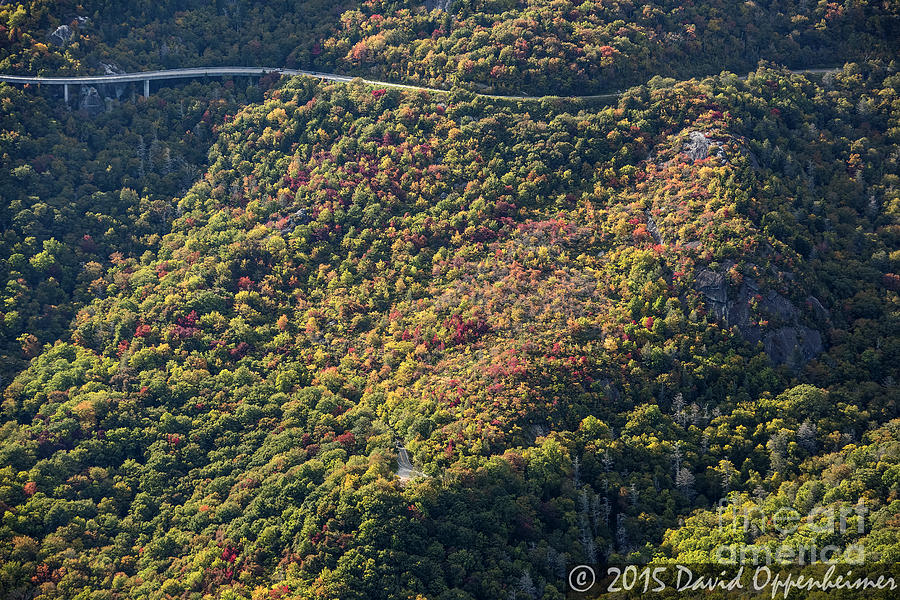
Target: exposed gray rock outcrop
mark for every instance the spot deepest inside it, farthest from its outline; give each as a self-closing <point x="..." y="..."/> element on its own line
<point x="111" y="90"/>
<point x="698" y="145"/>
<point x="653" y="229"/>
<point x="61" y="36"/>
<point x="765" y="316"/>
<point x="91" y="102"/>
<point x="794" y="346"/>
<point x="110" y="69"/>
<point x="712" y="285"/>
<point x="703" y="144"/>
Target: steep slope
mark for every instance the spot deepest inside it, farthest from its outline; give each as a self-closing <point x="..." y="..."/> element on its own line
<point x="98" y="36"/>
<point x="535" y="47"/>
<point x="852" y="492"/>
<point x="515" y="292"/>
<point x="81" y="191"/>
<point x="567" y="48"/>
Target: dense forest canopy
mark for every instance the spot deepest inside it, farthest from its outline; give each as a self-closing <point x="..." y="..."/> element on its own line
<point x="509" y="46"/>
<point x="227" y="305"/>
<point x="563" y="47"/>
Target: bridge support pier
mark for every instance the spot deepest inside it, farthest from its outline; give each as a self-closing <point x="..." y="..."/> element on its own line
<point x="66" y="92"/>
<point x="146" y="88"/>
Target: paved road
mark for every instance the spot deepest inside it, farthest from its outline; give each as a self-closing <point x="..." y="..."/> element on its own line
<point x="147" y="76"/>
<point x="167" y="74"/>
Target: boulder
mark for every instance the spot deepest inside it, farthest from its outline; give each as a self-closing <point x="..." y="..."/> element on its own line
<point x="61" y="36"/>
<point x="698" y="145"/>
<point x="110" y="69"/>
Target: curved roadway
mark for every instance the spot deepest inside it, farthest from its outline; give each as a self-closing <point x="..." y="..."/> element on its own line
<point x="147" y="76"/>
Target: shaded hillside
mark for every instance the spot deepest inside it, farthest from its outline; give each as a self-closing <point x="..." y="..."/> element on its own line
<point x="96" y="36"/>
<point x="83" y="191"/>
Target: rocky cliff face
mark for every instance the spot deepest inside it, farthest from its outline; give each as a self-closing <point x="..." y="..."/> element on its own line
<point x="115" y="91"/>
<point x="61" y="36"/>
<point x="91" y="102"/>
<point x="698" y="145"/>
<point x="766" y="316"/>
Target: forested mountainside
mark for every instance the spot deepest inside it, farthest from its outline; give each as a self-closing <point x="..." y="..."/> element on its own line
<point x="95" y="36"/>
<point x="584" y="323"/>
<point x="564" y="47"/>
<point x="504" y="46"/>
<point x="81" y="192"/>
<point x="227" y="305"/>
